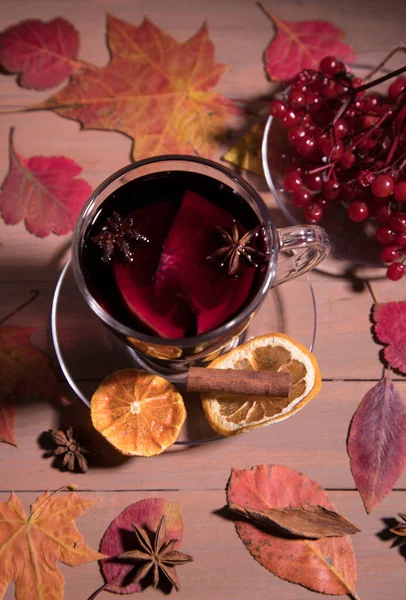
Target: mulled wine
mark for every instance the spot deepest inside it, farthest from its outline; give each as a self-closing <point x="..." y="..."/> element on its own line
<point x="173" y="254"/>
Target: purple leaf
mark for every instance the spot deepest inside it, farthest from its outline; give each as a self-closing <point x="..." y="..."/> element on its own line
<point x="377" y="442"/>
<point x="119" y="538"/>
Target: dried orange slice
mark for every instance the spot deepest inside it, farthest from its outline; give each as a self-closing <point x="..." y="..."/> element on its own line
<point x="231" y="414"/>
<point x="138" y="413"/>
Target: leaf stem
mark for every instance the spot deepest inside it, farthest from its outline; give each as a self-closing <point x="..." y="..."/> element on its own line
<point x="262" y="7"/>
<point x="31" y="296"/>
<point x="105" y="586"/>
<point x="354" y="595"/>
<point x="372" y="292"/>
<point x="63" y="487"/>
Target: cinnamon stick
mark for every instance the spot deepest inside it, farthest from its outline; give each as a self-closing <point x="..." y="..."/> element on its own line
<point x="234" y="381"/>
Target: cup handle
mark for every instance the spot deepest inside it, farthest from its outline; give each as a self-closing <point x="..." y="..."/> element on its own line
<point x="308" y="245"/>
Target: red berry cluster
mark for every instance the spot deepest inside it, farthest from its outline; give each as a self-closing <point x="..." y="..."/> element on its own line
<point x="351" y="143"/>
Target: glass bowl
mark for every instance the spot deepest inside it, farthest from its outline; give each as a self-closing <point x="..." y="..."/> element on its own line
<point x="354" y="242"/>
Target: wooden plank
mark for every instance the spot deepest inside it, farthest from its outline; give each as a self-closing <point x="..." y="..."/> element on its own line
<point x="344" y="344"/>
<point x="222" y="567"/>
<point x="312" y="441"/>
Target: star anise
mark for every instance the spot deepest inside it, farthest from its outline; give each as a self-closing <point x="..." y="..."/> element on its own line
<point x="400" y="529"/>
<point x="69" y="449"/>
<point x="159" y="556"/>
<point x="237" y="247"/>
<point x="119" y="234"/>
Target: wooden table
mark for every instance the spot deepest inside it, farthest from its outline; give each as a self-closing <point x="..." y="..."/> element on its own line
<point x="314" y="441"/>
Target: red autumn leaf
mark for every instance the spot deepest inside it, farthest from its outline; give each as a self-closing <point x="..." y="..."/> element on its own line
<point x="325" y="565"/>
<point x="119" y="538"/>
<point x="377" y="442"/>
<point x="42" y="53"/>
<point x="301" y="45"/>
<point x="390" y="328"/>
<point x="44" y="192"/>
<point x="7" y="420"/>
<point x="25" y="374"/>
<point x="155" y="90"/>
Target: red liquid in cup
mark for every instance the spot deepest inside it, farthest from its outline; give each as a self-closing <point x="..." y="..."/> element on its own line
<point x="170" y="289"/>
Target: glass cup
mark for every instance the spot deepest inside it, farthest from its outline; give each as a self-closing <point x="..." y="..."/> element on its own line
<point x="307" y="245"/>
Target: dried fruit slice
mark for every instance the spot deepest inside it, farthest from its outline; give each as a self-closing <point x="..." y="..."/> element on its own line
<point x="230" y="414"/>
<point x="164" y="314"/>
<point x="139" y="413"/>
<point x="213" y="296"/>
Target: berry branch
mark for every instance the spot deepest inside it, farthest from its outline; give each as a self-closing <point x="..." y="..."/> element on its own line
<point x="350" y="146"/>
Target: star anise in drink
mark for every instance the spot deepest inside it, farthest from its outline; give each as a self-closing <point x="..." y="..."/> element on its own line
<point x="160" y="556"/>
<point x="400" y="529"/>
<point x="70" y="448"/>
<point x="236" y="249"/>
<point x="119" y="234"/>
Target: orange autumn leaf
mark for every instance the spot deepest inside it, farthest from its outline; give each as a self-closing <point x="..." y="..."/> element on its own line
<point x="155" y="90"/>
<point x="31" y="547"/>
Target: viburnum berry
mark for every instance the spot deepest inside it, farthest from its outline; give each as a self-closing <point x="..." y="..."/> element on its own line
<point x="313" y="213"/>
<point x="347" y="160"/>
<point x="396" y="88"/>
<point x="277" y="108"/>
<point x="382" y="186"/>
<point x="330" y="65"/>
<point x="289" y="119"/>
<point x="397" y="222"/>
<point x="340" y="128"/>
<point x="390" y="254"/>
<point x="395" y="271"/>
<point x="358" y="211"/>
<point x="313" y="181"/>
<point x="331" y="190"/>
<point x="383" y="213"/>
<point x="357" y="82"/>
<point x="306" y="146"/>
<point x="292" y="182"/>
<point x="301" y="198"/>
<point x="399" y="191"/>
<point x="332" y="149"/>
<point x="385" y="235"/>
<point x="365" y="178"/>
<point x="400" y="238"/>
<point x="295" y="134"/>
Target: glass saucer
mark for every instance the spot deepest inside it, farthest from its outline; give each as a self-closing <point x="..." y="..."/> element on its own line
<point x="350" y="241"/>
<point x="88" y="351"/>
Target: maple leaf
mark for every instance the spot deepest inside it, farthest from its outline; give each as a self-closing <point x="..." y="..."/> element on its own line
<point x="325" y="565"/>
<point x="301" y="45"/>
<point x="246" y="152"/>
<point x="44" y="192"/>
<point x="154" y="90"/>
<point x="377" y="442"/>
<point x="390" y="328"/>
<point x="42" y="53"/>
<point x="24" y="373"/>
<point x="31" y="547"/>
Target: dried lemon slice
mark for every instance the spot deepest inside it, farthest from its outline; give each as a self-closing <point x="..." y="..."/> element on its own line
<point x="230" y="414"/>
<point x="138" y="413"/>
